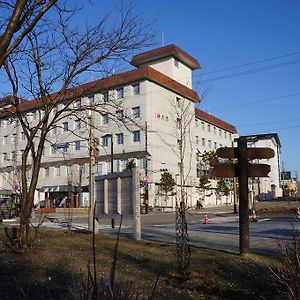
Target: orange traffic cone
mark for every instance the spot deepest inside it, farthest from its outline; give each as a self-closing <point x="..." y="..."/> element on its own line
<point x="205" y="219"/>
<point x="297" y="215"/>
<point x="254" y="216"/>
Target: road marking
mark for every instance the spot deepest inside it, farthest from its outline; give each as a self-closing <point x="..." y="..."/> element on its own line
<point x="263" y="220"/>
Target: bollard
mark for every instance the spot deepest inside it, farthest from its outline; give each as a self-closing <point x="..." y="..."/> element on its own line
<point x="112" y="223"/>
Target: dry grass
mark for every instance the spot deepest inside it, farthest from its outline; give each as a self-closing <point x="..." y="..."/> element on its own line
<point x="59" y="256"/>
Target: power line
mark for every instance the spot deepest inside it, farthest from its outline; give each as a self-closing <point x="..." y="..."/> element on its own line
<point x="256" y="101"/>
<point x="266" y="123"/>
<point x="246" y="72"/>
<point x="280" y="128"/>
<point x="250" y="63"/>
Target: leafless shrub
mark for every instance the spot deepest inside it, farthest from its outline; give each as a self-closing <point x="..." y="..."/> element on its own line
<point x="288" y="274"/>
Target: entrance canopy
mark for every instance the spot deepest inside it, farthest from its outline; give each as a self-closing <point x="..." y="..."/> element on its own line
<point x="61" y="188"/>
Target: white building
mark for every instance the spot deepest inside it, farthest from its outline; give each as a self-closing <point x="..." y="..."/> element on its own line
<point x="147" y="114"/>
<point x="267" y="188"/>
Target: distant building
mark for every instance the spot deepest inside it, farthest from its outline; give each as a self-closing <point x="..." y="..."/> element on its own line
<point x="267" y="188"/>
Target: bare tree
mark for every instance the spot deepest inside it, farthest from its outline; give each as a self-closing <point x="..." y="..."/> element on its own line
<point x="18" y="20"/>
<point x="56" y="55"/>
<point x="185" y="113"/>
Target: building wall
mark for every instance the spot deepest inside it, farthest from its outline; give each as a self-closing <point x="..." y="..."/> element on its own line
<point x="159" y="108"/>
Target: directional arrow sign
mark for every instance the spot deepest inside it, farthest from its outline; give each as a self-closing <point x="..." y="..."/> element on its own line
<point x="231" y="170"/>
<point x="252" y="153"/>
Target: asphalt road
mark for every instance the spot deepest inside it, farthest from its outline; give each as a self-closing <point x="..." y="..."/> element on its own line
<point x="221" y="232"/>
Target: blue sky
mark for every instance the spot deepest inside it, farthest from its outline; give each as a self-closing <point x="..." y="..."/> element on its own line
<point x="224" y="34"/>
<point x="258" y="43"/>
<point x="262" y="36"/>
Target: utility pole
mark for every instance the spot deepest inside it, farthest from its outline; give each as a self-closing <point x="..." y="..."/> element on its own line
<point x="112" y="167"/>
<point x="146" y="197"/>
<point x="92" y="157"/>
<point x="111" y="153"/>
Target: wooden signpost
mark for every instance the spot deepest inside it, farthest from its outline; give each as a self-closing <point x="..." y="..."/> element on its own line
<point x="243" y="169"/>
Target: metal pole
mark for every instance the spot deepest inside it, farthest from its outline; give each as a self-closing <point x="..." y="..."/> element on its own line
<point x="91" y="179"/>
<point x="112" y="167"/>
<point x="243" y="195"/>
<point x="111" y="153"/>
<point x="146" y="200"/>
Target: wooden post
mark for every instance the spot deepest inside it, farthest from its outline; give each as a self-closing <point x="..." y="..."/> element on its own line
<point x="243" y="196"/>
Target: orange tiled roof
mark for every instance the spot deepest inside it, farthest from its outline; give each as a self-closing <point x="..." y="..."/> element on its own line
<point x="139" y="74"/>
<point x="167" y="51"/>
<point x="214" y="120"/>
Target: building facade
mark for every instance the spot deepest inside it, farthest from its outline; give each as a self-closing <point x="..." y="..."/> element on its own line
<point x="267" y="188"/>
<point x="146" y="114"/>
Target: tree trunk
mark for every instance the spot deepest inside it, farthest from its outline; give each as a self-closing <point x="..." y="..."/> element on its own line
<point x="25" y="214"/>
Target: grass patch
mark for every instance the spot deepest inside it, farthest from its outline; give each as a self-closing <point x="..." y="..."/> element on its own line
<point x="59" y="256"/>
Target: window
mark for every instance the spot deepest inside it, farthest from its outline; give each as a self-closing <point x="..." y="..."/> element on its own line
<point x="120" y="115"/>
<point x="66" y="126"/>
<point x="105" y="140"/>
<point x="69" y="170"/>
<point x="215" y="130"/>
<point x="54" y="129"/>
<point x="105" y="97"/>
<point x="179" y="143"/>
<point x="136" y="89"/>
<point x="57" y="171"/>
<point x="105" y="119"/>
<point x="203" y="142"/>
<point x="120" y="138"/>
<point x="120" y="93"/>
<point x="208" y="128"/>
<point x="197" y="123"/>
<point x="46" y="172"/>
<point x="77" y="145"/>
<point x="78" y="103"/>
<point x="178" y="122"/>
<point x="55" y="110"/>
<point x="202" y="125"/>
<point x="141" y="162"/>
<point x="77" y="124"/>
<point x="197" y="140"/>
<point x="215" y="145"/>
<point x="209" y="143"/>
<point x="136" y="136"/>
<point x="91" y="100"/>
<point x="178" y="102"/>
<point x="53" y="148"/>
<point x="136" y="112"/>
<point x="176" y="63"/>
<point x="220" y="132"/>
<point x="23" y="136"/>
<point x="13" y="138"/>
<point x="98" y="168"/>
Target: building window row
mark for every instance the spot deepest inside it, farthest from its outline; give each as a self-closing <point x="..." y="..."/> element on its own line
<point x="120" y="114"/>
<point x="121" y="92"/>
<point x="136" y="138"/>
<point x="222" y="133"/>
